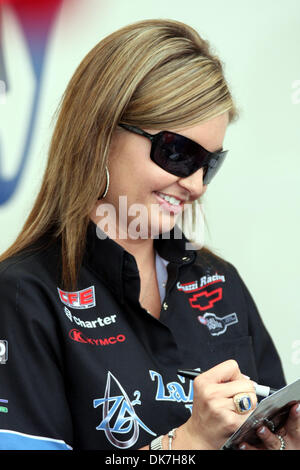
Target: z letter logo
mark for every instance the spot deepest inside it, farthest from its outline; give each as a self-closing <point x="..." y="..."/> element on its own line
<point x="81" y="299"/>
<point x="118" y="415"/>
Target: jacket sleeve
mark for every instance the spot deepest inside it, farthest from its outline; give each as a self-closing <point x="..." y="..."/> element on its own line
<point x="34" y="411"/>
<point x="268" y="362"/>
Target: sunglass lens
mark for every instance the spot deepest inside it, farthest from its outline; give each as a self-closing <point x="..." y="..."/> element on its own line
<point x="176" y="154"/>
<point x="182" y="157"/>
<point x="213" y="166"/>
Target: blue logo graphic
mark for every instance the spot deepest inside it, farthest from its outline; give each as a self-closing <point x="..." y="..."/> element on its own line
<point x="173" y="391"/>
<point x="119" y="416"/>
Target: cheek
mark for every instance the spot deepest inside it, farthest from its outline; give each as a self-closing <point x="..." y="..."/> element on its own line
<point x="137" y="176"/>
<point x="148" y="178"/>
<point x="158" y="179"/>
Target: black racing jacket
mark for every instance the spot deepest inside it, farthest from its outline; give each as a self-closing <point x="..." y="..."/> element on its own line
<point x="92" y="369"/>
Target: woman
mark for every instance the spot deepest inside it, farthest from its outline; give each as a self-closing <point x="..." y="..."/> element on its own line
<point x="103" y="297"/>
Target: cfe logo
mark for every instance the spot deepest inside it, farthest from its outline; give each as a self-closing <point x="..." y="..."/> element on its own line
<point x="3" y="351"/>
<point x="81" y="299"/>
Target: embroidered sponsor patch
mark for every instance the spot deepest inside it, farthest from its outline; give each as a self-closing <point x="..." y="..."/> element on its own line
<point x="173" y="391"/>
<point x="104" y="321"/>
<point x="204" y="281"/>
<point x="3" y="351"/>
<point x="205" y="300"/>
<point x="201" y="296"/>
<point x="3" y="409"/>
<point x="119" y="418"/>
<point x="77" y="335"/>
<point x="217" y="325"/>
<point x="81" y="299"/>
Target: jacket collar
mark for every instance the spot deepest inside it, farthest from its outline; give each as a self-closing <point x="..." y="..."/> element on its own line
<point x="112" y="263"/>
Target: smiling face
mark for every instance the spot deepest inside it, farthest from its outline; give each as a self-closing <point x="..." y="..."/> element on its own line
<point x="159" y="194"/>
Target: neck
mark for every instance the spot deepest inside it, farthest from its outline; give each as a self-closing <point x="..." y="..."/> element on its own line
<point x="142" y="248"/>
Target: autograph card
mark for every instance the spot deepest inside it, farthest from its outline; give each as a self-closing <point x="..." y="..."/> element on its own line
<point x="271" y="411"/>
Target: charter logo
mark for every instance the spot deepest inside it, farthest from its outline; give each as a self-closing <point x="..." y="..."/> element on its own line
<point x="81" y="299"/>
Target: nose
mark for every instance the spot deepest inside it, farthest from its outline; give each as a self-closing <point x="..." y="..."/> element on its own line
<point x="194" y="184"/>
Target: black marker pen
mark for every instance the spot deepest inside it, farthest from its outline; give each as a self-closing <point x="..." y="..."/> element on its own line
<point x="261" y="390"/>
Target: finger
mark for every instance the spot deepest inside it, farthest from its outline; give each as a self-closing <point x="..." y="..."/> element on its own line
<point x="246" y="446"/>
<point x="230" y="389"/>
<point x="224" y="411"/>
<point x="224" y="372"/>
<point x="269" y="439"/>
<point x="223" y="405"/>
<point x="292" y="426"/>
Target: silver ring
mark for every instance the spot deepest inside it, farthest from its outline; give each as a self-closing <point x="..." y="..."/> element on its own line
<point x="282" y="442"/>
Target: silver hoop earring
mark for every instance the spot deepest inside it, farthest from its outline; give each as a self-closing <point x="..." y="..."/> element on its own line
<point x="107" y="184"/>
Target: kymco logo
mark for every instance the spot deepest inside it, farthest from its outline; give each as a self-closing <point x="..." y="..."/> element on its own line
<point x="78" y="336"/>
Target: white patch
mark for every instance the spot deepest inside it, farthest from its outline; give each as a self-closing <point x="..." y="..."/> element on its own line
<point x="3" y="351"/>
<point x="217" y="325"/>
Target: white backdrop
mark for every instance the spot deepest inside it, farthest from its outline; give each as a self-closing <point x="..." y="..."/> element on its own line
<point x="252" y="206"/>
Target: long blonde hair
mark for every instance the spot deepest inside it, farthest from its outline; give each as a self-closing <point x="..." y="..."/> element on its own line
<point x="153" y="74"/>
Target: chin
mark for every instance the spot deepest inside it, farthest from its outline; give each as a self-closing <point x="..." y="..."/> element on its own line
<point x="164" y="225"/>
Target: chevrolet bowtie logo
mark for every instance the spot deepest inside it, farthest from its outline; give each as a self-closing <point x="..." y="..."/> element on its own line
<point x="205" y="300"/>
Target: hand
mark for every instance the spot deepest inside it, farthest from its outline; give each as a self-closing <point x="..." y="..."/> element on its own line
<point x="214" y="417"/>
<point x="290" y="432"/>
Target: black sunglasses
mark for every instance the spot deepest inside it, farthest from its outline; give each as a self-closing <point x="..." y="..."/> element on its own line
<point x="179" y="155"/>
